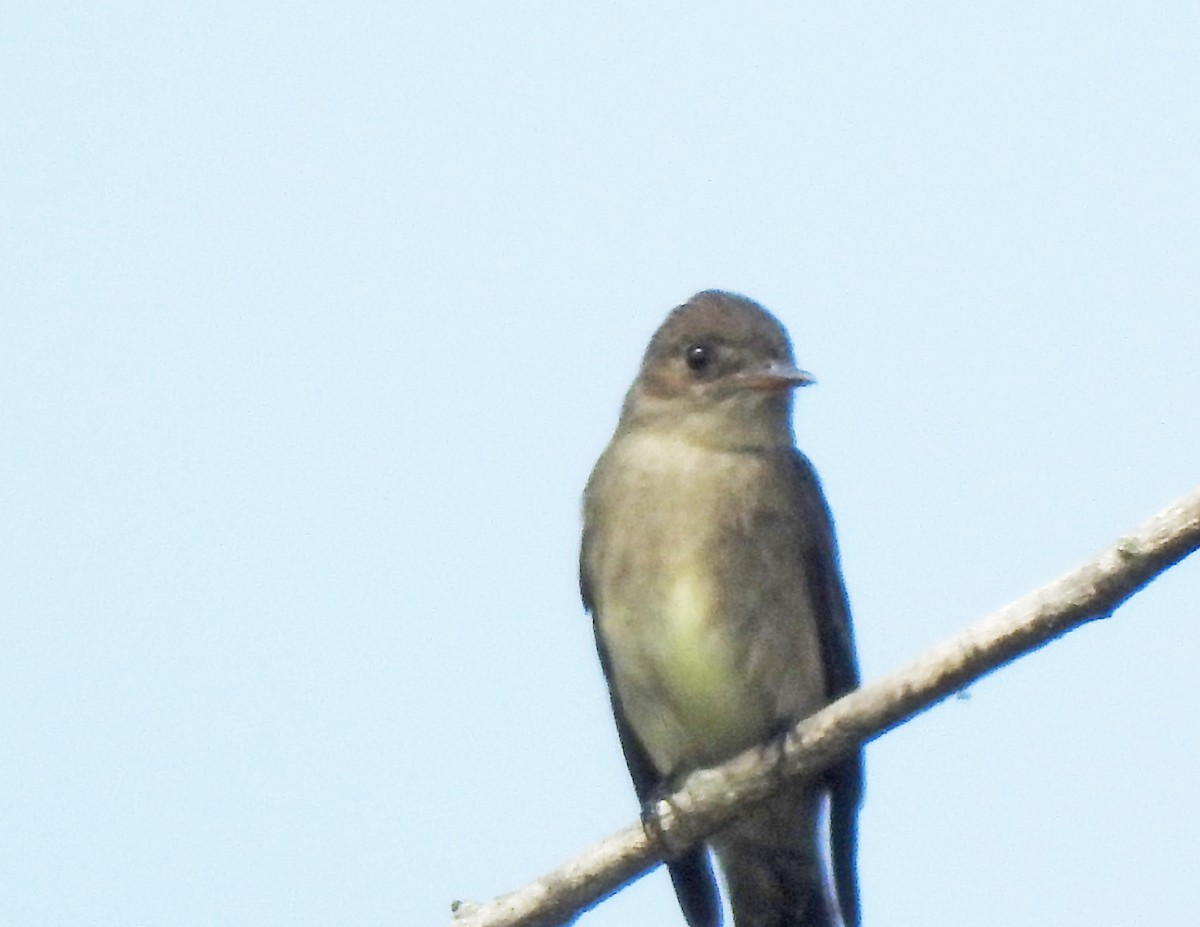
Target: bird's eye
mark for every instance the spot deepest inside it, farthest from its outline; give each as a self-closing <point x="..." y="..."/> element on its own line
<point x="698" y="356"/>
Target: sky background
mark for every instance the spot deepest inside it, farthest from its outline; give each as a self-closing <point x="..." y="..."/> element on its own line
<point x="314" y="318"/>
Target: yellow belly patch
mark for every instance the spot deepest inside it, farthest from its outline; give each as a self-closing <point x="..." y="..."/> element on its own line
<point x="699" y="669"/>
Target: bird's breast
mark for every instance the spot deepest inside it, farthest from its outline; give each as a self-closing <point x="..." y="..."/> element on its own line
<point x="680" y="674"/>
<point x="679" y="652"/>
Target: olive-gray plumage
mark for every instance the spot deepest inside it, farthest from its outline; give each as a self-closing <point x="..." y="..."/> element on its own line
<point x="710" y="568"/>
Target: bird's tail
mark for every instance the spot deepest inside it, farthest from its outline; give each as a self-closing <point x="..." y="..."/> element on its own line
<point x="774" y="866"/>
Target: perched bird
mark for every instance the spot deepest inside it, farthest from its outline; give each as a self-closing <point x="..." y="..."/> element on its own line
<point x="710" y="569"/>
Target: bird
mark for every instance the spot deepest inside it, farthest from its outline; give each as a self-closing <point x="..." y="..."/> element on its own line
<point x="711" y="571"/>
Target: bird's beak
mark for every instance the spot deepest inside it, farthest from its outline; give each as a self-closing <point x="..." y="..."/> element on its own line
<point x="775" y="376"/>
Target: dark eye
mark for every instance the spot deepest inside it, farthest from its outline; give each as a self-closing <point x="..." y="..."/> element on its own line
<point x="698" y="356"/>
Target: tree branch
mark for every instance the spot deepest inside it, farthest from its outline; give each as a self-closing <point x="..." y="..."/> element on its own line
<point x="710" y="797"/>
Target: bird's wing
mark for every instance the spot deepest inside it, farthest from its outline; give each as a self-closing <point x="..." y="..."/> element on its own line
<point x="841" y="668"/>
<point x="691" y="873"/>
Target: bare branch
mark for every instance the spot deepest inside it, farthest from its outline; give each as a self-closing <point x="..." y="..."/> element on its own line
<point x="710" y="797"/>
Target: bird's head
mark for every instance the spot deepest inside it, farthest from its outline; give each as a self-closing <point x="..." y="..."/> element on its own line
<point x="720" y="370"/>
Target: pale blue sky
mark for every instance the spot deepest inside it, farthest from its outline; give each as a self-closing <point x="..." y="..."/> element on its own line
<point x="313" y="319"/>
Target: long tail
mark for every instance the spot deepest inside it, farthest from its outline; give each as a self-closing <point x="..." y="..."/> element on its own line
<point x="774" y="865"/>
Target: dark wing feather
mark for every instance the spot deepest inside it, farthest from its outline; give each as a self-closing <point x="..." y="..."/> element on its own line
<point x="691" y="874"/>
<point x="841" y="668"/>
